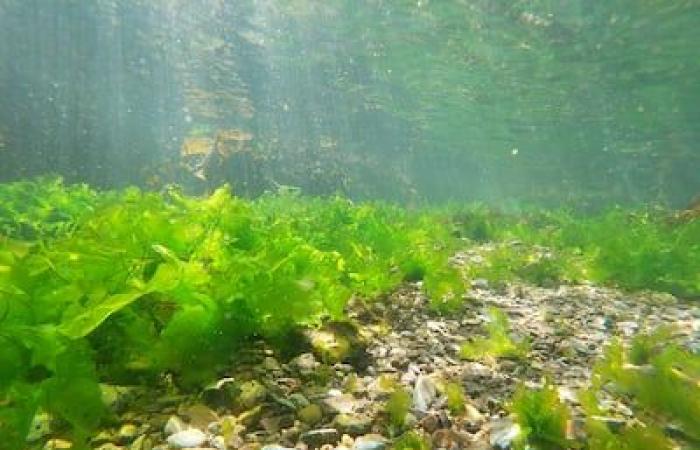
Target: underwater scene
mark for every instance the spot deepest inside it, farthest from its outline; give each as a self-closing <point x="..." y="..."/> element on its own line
<point x="349" y="224"/>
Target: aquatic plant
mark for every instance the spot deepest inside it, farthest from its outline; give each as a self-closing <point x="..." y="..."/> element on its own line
<point x="411" y="440"/>
<point x="456" y="399"/>
<point x="660" y="379"/>
<point x="542" y="417"/>
<point x="498" y="344"/>
<point x="634" y="250"/>
<point x="31" y="209"/>
<point x="141" y="283"/>
<point x="397" y="406"/>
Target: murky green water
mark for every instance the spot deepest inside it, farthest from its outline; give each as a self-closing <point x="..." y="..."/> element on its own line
<point x="504" y="102"/>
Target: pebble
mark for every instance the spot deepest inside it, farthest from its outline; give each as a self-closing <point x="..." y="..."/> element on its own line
<point x="424" y="393"/>
<point x="352" y="424"/>
<point x="305" y="364"/>
<point x="480" y="283"/>
<point x="319" y="437"/>
<point x="503" y="433"/>
<point x="40" y="427"/>
<point x="310" y="414"/>
<point x="271" y="364"/>
<point x="370" y="442"/>
<point x="340" y="404"/>
<point x="127" y="433"/>
<point x="613" y="423"/>
<point x="142" y="442"/>
<point x="252" y="394"/>
<point x="106" y="446"/>
<point x="218" y="442"/>
<point x="298" y="400"/>
<point x="58" y="444"/>
<point x="191" y="437"/>
<point x="174" y="425"/>
<point x="198" y="415"/>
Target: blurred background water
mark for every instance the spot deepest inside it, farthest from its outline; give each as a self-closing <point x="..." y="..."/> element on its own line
<point x="551" y="102"/>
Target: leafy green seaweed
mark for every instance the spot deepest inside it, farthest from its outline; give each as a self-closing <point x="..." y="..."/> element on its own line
<point x="636" y="250"/>
<point x="149" y="282"/>
<point x="498" y="344"/>
<point x="397" y="406"/>
<point x="411" y="440"/>
<point x="542" y="417"/>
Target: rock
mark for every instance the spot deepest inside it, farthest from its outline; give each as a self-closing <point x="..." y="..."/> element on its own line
<point x="305" y="364"/>
<point x="298" y="400"/>
<point x="40" y="427"/>
<point x="347" y="441"/>
<point x="328" y="346"/>
<point x="220" y="394"/>
<point x="676" y="432"/>
<point x="449" y="439"/>
<point x="274" y="423"/>
<point x="480" y="283"/>
<point x="102" y="437"/>
<point x="340" y="404"/>
<point x="170" y="400"/>
<point x="174" y="425"/>
<point x="198" y="415"/>
<point x="430" y="423"/>
<point x="471" y="414"/>
<point x="250" y="417"/>
<point x="628" y="328"/>
<point x="310" y="414"/>
<point x="291" y="435"/>
<point x="110" y="446"/>
<point x="568" y="395"/>
<point x="424" y="393"/>
<point x="116" y="398"/>
<point x="398" y="353"/>
<point x="252" y="394"/>
<point x="370" y="442"/>
<point x="270" y="364"/>
<point x="127" y="433"/>
<point x="191" y="437"/>
<point x="339" y="341"/>
<point x="58" y="444"/>
<point x="410" y="421"/>
<point x="218" y="442"/>
<point x="352" y="424"/>
<point x="613" y="423"/>
<point x="477" y="370"/>
<point x="503" y="433"/>
<point x="320" y="437"/>
<point x="142" y="442"/>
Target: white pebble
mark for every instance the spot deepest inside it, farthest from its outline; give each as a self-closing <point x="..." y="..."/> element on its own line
<point x="174" y="425"/>
<point x="187" y="438"/>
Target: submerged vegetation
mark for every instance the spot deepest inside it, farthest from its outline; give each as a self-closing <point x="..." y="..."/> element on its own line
<point x="120" y="286"/>
<point x="498" y="344"/>
<point x="131" y="283"/>
<point x="660" y="380"/>
<point x="542" y="417"/>
<point x="644" y="249"/>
